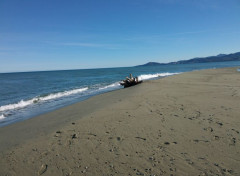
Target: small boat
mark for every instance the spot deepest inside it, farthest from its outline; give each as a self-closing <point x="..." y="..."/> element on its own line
<point x="128" y="82"/>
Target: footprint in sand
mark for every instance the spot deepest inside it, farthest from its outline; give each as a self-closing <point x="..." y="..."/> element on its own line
<point x="233" y="141"/>
<point x="220" y="123"/>
<point x="208" y="129"/>
<point x="235" y="131"/>
<point x="74" y="136"/>
<point x="58" y="133"/>
<point x="166" y="143"/>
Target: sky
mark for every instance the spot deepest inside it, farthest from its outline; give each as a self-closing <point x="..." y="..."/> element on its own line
<point x="77" y="34"/>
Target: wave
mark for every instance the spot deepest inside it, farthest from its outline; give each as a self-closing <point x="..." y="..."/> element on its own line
<point x="62" y="94"/>
<point x="151" y="76"/>
<point x="2" y="117"/>
<point x="141" y="77"/>
<point x="24" y="103"/>
<point x="116" y="84"/>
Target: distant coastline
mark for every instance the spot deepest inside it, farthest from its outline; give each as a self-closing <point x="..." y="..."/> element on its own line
<point x="209" y="59"/>
<point x="218" y="58"/>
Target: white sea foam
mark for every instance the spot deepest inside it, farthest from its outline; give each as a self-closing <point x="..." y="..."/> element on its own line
<point x="24" y="103"/>
<point x="2" y="117"/>
<point x="150" y="76"/>
<point x="62" y="94"/>
<point x="116" y="84"/>
<point x="238" y="69"/>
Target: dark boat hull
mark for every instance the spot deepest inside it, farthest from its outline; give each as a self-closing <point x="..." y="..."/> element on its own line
<point x="129" y="84"/>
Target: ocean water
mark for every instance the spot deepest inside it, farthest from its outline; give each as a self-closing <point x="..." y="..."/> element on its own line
<point x="28" y="94"/>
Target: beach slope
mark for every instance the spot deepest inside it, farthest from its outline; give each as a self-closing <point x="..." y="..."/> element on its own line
<point x="186" y="124"/>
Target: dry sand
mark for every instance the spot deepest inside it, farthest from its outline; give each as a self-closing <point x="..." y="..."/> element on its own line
<point x="186" y="124"/>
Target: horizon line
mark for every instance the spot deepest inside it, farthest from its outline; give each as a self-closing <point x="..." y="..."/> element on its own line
<point x="32" y="71"/>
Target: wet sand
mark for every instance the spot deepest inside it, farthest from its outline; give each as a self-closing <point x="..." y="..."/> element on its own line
<point x="186" y="124"/>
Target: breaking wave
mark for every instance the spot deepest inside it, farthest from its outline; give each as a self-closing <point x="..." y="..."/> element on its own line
<point x="24" y="103"/>
<point x="151" y="76"/>
<point x="2" y="117"/>
<point x="114" y="85"/>
<point x="91" y="90"/>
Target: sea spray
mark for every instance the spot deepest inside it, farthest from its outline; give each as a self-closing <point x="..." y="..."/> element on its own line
<point x="114" y="85"/>
<point x="141" y="77"/>
<point x="24" y="103"/>
<point x="2" y="117"/>
<point x="151" y="76"/>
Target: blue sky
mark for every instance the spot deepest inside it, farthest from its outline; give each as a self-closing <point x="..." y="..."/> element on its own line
<point x="76" y="34"/>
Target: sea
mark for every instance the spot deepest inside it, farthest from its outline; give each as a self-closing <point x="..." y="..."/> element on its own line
<point x="24" y="95"/>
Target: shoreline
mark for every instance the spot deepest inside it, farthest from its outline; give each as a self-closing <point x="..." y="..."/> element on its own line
<point x="41" y="104"/>
<point x="53" y="119"/>
<point x="180" y="125"/>
<point x="22" y="105"/>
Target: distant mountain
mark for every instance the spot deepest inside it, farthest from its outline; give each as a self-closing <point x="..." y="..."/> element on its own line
<point x="218" y="58"/>
<point x="220" y="55"/>
<point x="151" y="64"/>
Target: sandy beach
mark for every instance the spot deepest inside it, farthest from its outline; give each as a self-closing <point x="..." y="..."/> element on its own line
<point x="186" y="124"/>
